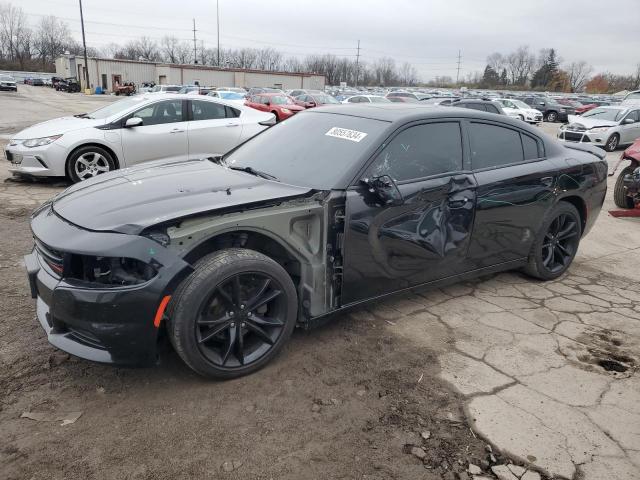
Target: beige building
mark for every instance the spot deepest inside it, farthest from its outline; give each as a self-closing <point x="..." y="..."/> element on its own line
<point x="107" y="72"/>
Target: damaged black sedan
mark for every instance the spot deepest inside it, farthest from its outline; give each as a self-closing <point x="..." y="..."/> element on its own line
<point x="329" y="209"/>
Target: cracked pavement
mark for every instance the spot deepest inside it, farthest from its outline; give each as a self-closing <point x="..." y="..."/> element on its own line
<point x="548" y="371"/>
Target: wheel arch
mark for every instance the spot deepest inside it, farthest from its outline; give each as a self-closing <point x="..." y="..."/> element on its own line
<point x="252" y="239"/>
<point x="581" y="206"/>
<point x="92" y="144"/>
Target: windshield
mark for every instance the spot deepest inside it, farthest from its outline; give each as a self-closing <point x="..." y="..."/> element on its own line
<point x="116" y="107"/>
<point x="231" y="96"/>
<point x="280" y="100"/>
<point x="309" y="149"/>
<point x="379" y="100"/>
<point x="633" y="96"/>
<point x="609" y="114"/>
<point x="325" y="99"/>
<point x="6" y="78"/>
<point x="519" y="104"/>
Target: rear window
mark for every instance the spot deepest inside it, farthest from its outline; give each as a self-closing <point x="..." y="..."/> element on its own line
<point x="495" y="146"/>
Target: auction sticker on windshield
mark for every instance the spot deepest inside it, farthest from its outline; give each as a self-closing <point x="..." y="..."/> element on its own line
<point x="346" y="134"/>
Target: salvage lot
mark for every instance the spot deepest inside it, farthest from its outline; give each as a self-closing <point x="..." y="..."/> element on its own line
<point x="546" y="372"/>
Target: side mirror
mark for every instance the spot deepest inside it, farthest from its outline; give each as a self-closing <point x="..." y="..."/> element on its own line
<point x="628" y="121"/>
<point x="385" y="189"/>
<point x="268" y="104"/>
<point x="133" y="122"/>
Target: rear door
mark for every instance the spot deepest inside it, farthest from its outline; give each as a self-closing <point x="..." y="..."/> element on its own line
<point x="391" y="247"/>
<point x="516" y="185"/>
<point x="212" y="129"/>
<point x="162" y="135"/>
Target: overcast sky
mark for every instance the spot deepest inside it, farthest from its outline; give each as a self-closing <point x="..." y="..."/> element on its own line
<point x="428" y="33"/>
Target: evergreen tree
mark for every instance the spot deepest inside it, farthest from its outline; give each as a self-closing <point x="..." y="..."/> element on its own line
<point x="504" y="80"/>
<point x="490" y="78"/>
<point x="547" y="71"/>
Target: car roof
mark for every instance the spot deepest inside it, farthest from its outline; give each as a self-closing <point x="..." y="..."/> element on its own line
<point x="402" y="113"/>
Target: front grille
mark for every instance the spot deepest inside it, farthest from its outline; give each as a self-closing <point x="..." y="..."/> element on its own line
<point x="575" y="137"/>
<point x="53" y="258"/>
<point x="84" y="337"/>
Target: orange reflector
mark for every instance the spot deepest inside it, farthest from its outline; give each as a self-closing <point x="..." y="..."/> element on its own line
<point x="160" y="312"/>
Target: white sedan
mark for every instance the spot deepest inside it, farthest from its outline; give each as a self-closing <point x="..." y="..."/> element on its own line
<point x="519" y="109"/>
<point x="131" y="131"/>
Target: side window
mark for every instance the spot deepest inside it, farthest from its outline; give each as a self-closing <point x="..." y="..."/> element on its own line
<point x="232" y="112"/>
<point x="491" y="108"/>
<point x="207" y="110"/>
<point x="494" y="146"/>
<point x="354" y="100"/>
<point x="161" y="112"/>
<point x="476" y="106"/>
<point x="530" y="147"/>
<point x="420" y="151"/>
<point x="635" y="115"/>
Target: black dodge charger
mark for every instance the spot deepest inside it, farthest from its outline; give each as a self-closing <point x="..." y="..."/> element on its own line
<point x="331" y="208"/>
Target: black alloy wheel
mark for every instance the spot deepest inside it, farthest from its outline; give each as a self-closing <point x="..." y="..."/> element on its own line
<point x="241" y="320"/>
<point x="557" y="242"/>
<point x="233" y="314"/>
<point x="559" y="246"/>
<point x="552" y="117"/>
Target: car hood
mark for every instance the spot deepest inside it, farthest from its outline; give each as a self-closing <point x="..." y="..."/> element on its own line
<point x="633" y="151"/>
<point x="57" y="126"/>
<point x="293" y="107"/>
<point x="588" y="123"/>
<point x="132" y="199"/>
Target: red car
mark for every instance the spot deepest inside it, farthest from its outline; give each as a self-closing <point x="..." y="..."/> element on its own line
<point x="311" y="100"/>
<point x="282" y="106"/>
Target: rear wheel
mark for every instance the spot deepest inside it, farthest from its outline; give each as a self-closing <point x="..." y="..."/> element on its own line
<point x="233" y="314"/>
<point x="620" y="197"/>
<point x="556" y="243"/>
<point x="552" y="117"/>
<point x="612" y="143"/>
<point x="88" y="162"/>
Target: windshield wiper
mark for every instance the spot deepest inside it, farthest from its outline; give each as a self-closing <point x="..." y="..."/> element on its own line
<point x="83" y="115"/>
<point x="257" y="173"/>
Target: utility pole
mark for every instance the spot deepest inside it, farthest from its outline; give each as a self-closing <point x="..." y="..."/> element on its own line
<point x="218" y="28"/>
<point x="84" y="46"/>
<point x="357" y="64"/>
<point x="195" y="52"/>
<point x="459" y="60"/>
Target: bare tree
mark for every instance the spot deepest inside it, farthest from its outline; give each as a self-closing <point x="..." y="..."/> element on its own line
<point x="147" y="49"/>
<point x="496" y="61"/>
<point x="51" y="38"/>
<point x="268" y="59"/>
<point x="519" y="65"/>
<point x="13" y="30"/>
<point x="169" y="46"/>
<point x="408" y="74"/>
<point x="578" y="73"/>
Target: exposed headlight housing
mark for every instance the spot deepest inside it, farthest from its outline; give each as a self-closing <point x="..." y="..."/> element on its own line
<point x="285" y="110"/>
<point x="599" y="129"/>
<point x="109" y="271"/>
<point x="39" y="142"/>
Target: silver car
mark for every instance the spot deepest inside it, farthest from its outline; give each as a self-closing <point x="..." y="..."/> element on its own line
<point x="607" y="127"/>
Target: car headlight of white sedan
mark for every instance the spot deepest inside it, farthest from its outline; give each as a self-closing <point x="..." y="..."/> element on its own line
<point x="40" y="142"/>
<point x="599" y="129"/>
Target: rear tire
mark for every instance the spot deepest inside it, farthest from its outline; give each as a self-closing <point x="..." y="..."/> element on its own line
<point x="556" y="244"/>
<point x="552" y="117"/>
<point x="214" y="323"/>
<point x="620" y="197"/>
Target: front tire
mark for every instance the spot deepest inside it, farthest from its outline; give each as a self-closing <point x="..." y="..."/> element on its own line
<point x="233" y="314"/>
<point x="620" y="197"/>
<point x="612" y="143"/>
<point x="552" y="117"/>
<point x="556" y="244"/>
<point x="88" y="162"/>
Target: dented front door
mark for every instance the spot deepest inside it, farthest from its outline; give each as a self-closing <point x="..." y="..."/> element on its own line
<point x="388" y="248"/>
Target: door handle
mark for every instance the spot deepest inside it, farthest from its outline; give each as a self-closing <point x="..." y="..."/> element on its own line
<point x="176" y="130"/>
<point x="232" y="125"/>
<point x="546" y="181"/>
<point x="458" y="203"/>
